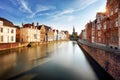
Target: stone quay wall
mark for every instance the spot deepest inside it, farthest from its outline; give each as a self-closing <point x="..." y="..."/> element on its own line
<point x="109" y="60"/>
<point x="6" y="46"/>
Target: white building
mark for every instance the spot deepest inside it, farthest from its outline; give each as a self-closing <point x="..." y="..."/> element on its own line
<point x="29" y="33"/>
<point x="61" y="35"/>
<point x="55" y="35"/>
<point x="7" y="31"/>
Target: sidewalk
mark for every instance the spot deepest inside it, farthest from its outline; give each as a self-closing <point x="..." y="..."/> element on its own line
<point x="102" y="47"/>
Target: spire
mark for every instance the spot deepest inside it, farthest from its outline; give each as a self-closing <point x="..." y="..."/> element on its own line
<point x="73" y="29"/>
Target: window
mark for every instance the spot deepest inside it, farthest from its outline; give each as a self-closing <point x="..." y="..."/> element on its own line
<point x="99" y="40"/>
<point x="35" y="36"/>
<point x="12" y="31"/>
<point x="105" y="25"/>
<point x="111" y="13"/>
<point x="116" y="23"/>
<point x="7" y="30"/>
<point x="12" y="38"/>
<point x="99" y="33"/>
<point x="1" y="38"/>
<point x="99" y="26"/>
<point x="1" y="29"/>
<point x="116" y="9"/>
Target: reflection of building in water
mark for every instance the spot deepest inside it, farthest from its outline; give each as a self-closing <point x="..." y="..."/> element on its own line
<point x="7" y="61"/>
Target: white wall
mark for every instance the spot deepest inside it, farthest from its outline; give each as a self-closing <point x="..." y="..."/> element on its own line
<point x="7" y="34"/>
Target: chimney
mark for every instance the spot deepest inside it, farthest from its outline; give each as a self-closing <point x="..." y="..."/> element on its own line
<point x="37" y="24"/>
<point x="33" y="24"/>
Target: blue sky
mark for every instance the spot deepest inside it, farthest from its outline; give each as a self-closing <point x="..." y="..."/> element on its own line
<point x="60" y="14"/>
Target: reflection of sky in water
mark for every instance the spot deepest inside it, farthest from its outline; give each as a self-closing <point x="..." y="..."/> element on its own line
<point x="66" y="54"/>
<point x="70" y="56"/>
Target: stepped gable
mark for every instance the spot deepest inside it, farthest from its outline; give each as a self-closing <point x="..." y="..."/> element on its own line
<point x="6" y="22"/>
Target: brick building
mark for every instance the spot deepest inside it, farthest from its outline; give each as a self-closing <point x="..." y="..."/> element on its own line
<point x="88" y="30"/>
<point x="113" y="23"/>
<point x="17" y="33"/>
<point x="99" y="32"/>
<point x="93" y="32"/>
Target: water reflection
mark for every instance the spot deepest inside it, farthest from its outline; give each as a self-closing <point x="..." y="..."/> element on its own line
<point x="70" y="56"/>
<point x="65" y="54"/>
<point x="16" y="59"/>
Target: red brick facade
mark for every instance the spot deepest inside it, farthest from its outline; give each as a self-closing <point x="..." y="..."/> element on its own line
<point x="112" y="12"/>
<point x="88" y="31"/>
<point x="105" y="28"/>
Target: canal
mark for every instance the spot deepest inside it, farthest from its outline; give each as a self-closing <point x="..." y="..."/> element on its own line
<point x="54" y="61"/>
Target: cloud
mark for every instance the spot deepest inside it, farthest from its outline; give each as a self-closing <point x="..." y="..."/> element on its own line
<point x="82" y="4"/>
<point x="24" y="6"/>
<point x="38" y="15"/>
<point x="71" y="18"/>
<point x="41" y="8"/>
<point x="62" y="13"/>
<point x="14" y="2"/>
<point x="69" y="11"/>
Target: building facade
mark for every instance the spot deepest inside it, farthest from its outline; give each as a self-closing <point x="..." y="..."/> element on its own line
<point x="7" y="31"/>
<point x="113" y="21"/>
<point x="50" y="35"/>
<point x="88" y="30"/>
<point x="29" y="33"/>
<point x="99" y="36"/>
<point x="93" y="32"/>
<point x="55" y="35"/>
<point x="42" y="32"/>
<point x="17" y="33"/>
<point x="106" y="26"/>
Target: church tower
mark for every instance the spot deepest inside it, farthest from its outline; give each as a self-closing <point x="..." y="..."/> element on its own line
<point x="73" y="29"/>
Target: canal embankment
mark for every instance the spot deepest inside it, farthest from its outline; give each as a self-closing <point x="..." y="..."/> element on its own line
<point x="7" y="46"/>
<point x="107" y="58"/>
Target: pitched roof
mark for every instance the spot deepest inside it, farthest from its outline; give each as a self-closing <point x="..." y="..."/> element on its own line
<point x="6" y="22"/>
<point x="46" y="27"/>
<point x="18" y="27"/>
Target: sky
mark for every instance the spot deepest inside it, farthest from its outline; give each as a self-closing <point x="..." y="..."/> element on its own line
<point x="59" y="14"/>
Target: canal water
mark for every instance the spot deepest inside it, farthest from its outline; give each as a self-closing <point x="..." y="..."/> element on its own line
<point x="54" y="61"/>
